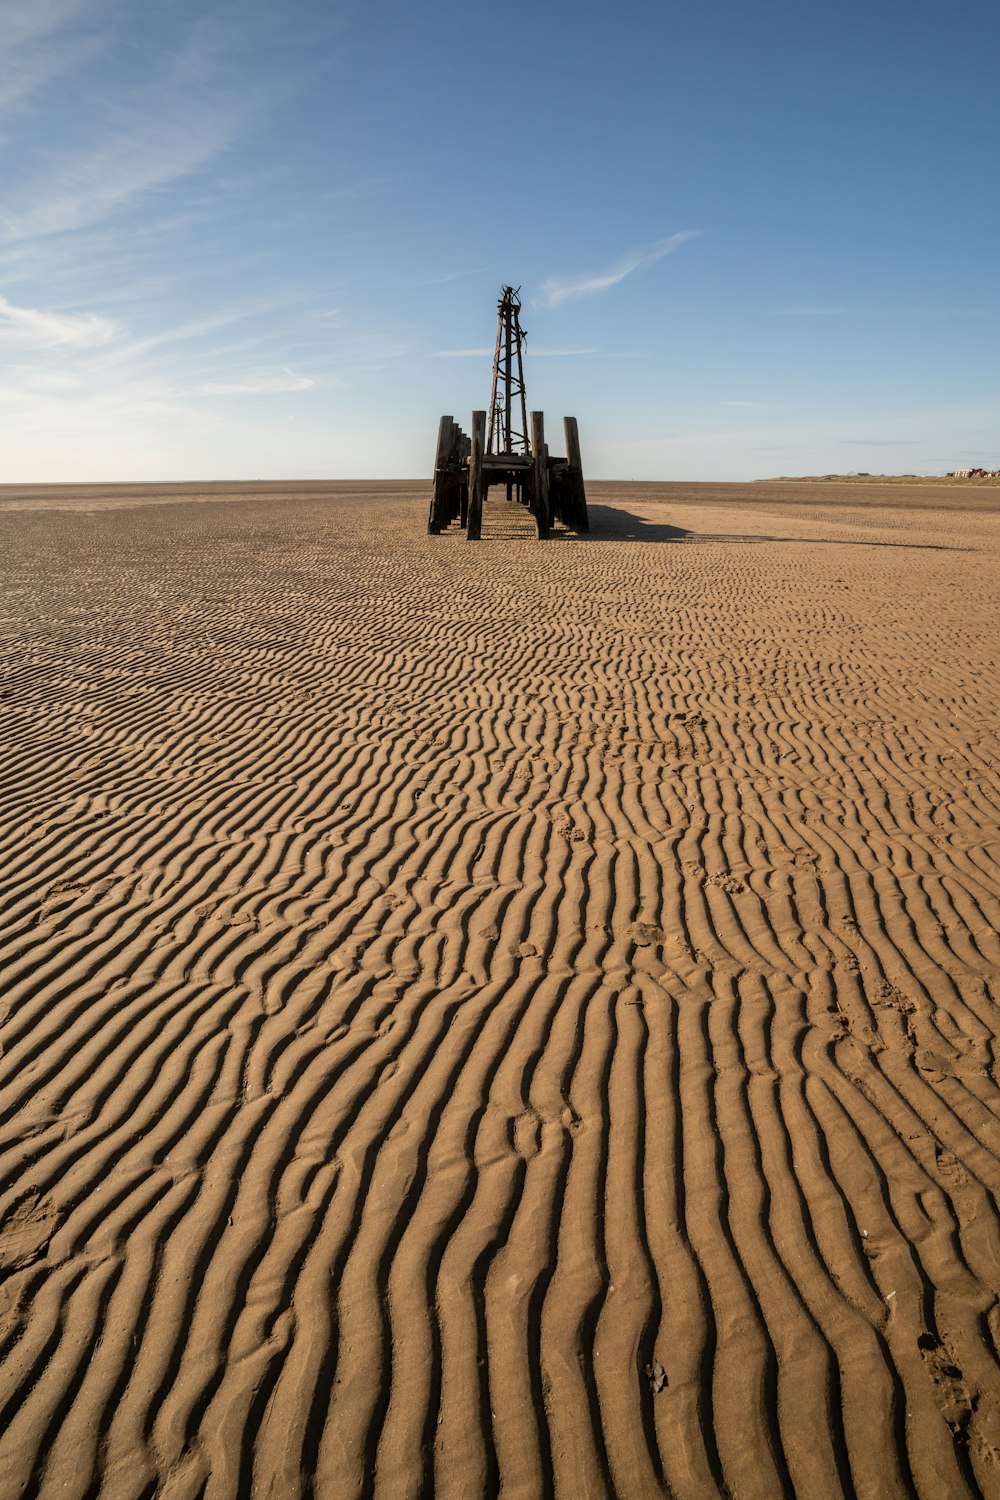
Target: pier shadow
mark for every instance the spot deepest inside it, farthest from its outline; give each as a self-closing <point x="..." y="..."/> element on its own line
<point x="612" y="523"/>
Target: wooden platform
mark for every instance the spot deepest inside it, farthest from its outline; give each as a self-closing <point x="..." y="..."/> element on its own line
<point x="464" y="473"/>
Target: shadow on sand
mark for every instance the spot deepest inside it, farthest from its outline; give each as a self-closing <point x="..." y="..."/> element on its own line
<point x="610" y="523"/>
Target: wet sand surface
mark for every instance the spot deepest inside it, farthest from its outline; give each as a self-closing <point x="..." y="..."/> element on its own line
<point x="506" y="1018"/>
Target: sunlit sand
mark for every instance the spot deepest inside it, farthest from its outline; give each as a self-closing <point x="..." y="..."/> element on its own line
<point x="507" y="1017"/>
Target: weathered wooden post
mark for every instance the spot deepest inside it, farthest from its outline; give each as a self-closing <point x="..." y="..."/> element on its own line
<point x="463" y="488"/>
<point x="438" y="517"/>
<point x="476" y="476"/>
<point x="454" y="472"/>
<point x="579" y="518"/>
<point x="541" y="473"/>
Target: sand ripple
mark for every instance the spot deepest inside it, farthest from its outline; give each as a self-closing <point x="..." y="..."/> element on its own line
<point x="508" y="1017"/>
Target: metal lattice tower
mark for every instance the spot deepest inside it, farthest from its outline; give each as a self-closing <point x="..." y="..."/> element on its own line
<point x="508" y="379"/>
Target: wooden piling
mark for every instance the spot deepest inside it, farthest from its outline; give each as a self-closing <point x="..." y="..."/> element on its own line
<point x="465" y="448"/>
<point x="476" y="450"/>
<point x="451" y="498"/>
<point x="437" y="518"/>
<point x="580" y="519"/>
<point x="541" y="473"/>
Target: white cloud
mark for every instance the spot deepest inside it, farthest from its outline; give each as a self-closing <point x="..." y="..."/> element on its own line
<point x="452" y="276"/>
<point x="34" y="68"/>
<point x="537" y="353"/>
<point x="47" y="381"/>
<point x="194" y="330"/>
<point x="102" y="179"/>
<point x="38" y="329"/>
<point x="24" y="21"/>
<point x="265" y="385"/>
<point x="166" y="117"/>
<point x="562" y="288"/>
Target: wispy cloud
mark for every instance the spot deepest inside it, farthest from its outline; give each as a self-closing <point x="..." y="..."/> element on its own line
<point x="27" y="21"/>
<point x="134" y="130"/>
<point x="452" y="276"/>
<point x="178" y="140"/>
<point x="264" y="385"/>
<point x="537" y="353"/>
<point x="43" y="39"/>
<point x="563" y="288"/>
<point x="194" y="331"/>
<point x="45" y="379"/>
<point x="35" y="328"/>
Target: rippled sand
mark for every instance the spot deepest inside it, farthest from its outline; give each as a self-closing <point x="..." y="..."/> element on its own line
<point x="517" y="1017"/>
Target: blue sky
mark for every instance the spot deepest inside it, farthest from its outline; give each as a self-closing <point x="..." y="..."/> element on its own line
<point x="254" y="239"/>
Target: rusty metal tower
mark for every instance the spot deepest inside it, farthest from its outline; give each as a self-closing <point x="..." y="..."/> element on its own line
<point x="508" y="379"/>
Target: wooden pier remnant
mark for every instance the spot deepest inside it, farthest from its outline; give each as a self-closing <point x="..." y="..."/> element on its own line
<point x="496" y="452"/>
<point x="450" y="497"/>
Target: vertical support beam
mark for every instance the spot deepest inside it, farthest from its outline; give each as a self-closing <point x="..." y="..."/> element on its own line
<point x="495" y="440"/>
<point x="520" y="383"/>
<point x="455" y="457"/>
<point x="580" y="518"/>
<point x="437" y="518"/>
<point x="476" y="450"/>
<point x="541" y="473"/>
<point x="463" y="491"/>
<point x="509" y="335"/>
<point x="454" y="471"/>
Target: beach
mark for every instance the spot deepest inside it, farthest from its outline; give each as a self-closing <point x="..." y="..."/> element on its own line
<point x="499" y="1018"/>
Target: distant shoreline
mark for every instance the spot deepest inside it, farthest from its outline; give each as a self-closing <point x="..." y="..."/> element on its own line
<point x="978" y="481"/>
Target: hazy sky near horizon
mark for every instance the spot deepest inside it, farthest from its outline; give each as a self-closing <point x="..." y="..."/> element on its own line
<point x="241" y="239"/>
